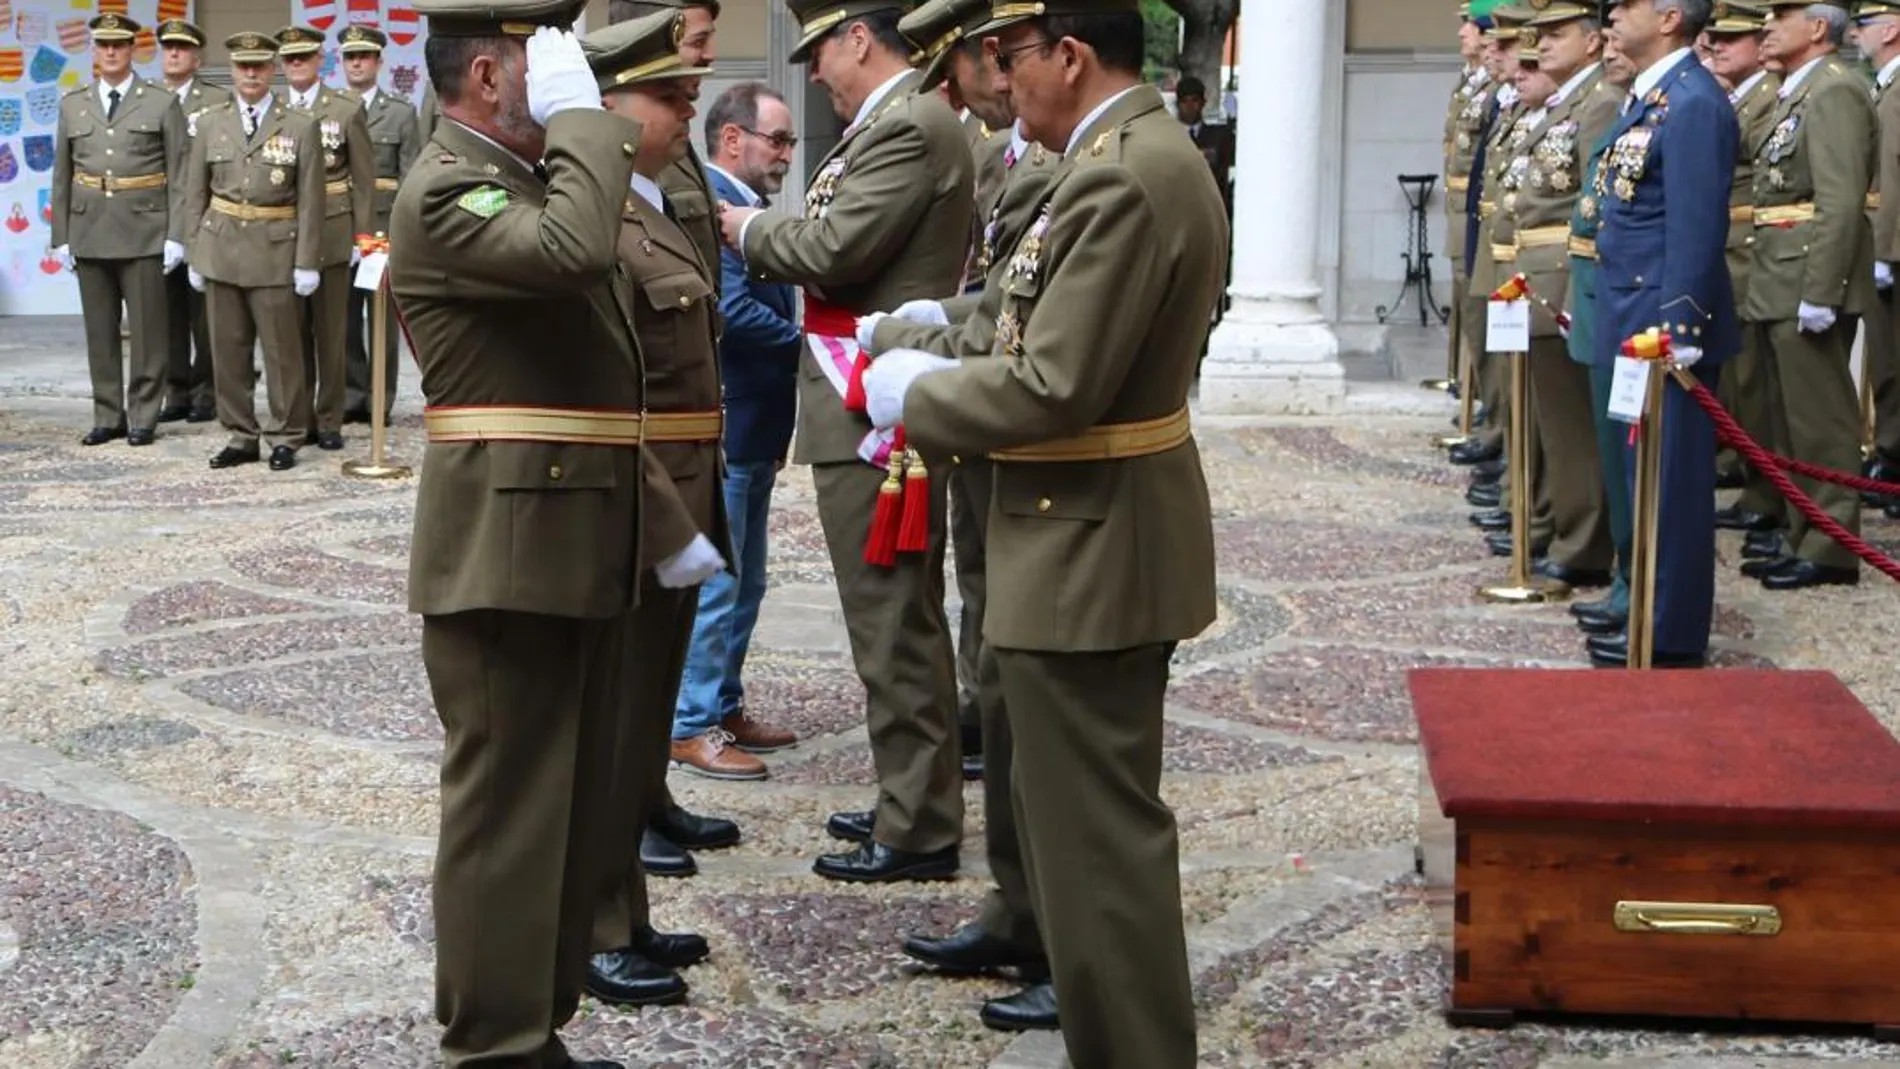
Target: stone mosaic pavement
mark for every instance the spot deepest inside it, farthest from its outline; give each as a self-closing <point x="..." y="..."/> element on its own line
<point x="217" y="776"/>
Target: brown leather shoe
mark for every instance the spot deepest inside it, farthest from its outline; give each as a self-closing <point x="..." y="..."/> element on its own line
<point x="711" y="755"/>
<point x="753" y="737"/>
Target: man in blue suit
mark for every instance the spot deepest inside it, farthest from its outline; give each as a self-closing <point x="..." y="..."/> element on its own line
<point x="749" y="145"/>
<point x="1663" y="191"/>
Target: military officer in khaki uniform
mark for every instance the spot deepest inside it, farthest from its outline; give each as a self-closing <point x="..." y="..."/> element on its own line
<point x="255" y="189"/>
<point x="1005" y="936"/>
<point x="349" y="190"/>
<point x="1100" y="536"/>
<point x="119" y="225"/>
<point x="641" y="74"/>
<point x="1735" y="51"/>
<point x="188" y="389"/>
<point x="1813" y="274"/>
<point x="529" y="512"/>
<point x="394" y="142"/>
<point x="687" y="187"/>
<point x="1879" y="40"/>
<point x="886" y="220"/>
<point x="1548" y="173"/>
<point x="1471" y="98"/>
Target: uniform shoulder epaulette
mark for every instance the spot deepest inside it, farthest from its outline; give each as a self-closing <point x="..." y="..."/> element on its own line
<point x="1105" y="147"/>
<point x="448" y="157"/>
<point x="76" y="89"/>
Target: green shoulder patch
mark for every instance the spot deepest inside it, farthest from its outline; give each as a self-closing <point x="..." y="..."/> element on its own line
<point x="484" y="202"/>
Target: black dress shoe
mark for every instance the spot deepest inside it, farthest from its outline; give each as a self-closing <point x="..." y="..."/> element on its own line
<point x="356" y="415"/>
<point x="971" y="951"/>
<point x="1737" y="518"/>
<point x="1757" y="544"/>
<point x="173" y="413"/>
<point x="101" y="435"/>
<point x="1484" y="495"/>
<point x="596" y="1063"/>
<point x="693" y="831"/>
<point x="1613" y="651"/>
<point x="1488" y="471"/>
<point x="1892" y="510"/>
<point x="1763" y="567"/>
<point x="230" y="457"/>
<point x="1474" y="452"/>
<point x="876" y="863"/>
<point x="1734" y="479"/>
<point x="852" y="827"/>
<point x="1806" y="573"/>
<point x="1602" y="623"/>
<point x="283" y="458"/>
<point x="142" y="436"/>
<point x="1500" y="544"/>
<point x="1574" y="578"/>
<point x="661" y="856"/>
<point x="973" y="767"/>
<point x="310" y="438"/>
<point x="1491" y="520"/>
<point x="674" y="950"/>
<point x="1031" y="1009"/>
<point x="1599" y="606"/>
<point x="627" y="978"/>
<point x="330" y="441"/>
<point x="201" y="415"/>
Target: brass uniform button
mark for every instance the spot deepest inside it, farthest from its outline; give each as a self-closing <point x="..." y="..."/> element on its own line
<point x="1043" y="504"/>
<point x="554" y="471"/>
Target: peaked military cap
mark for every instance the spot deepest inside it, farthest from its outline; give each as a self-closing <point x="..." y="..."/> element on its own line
<point x="1507" y="21"/>
<point x="1527" y="39"/>
<point x="298" y="41"/>
<point x="180" y="32"/>
<point x="251" y="47"/>
<point x="1867" y="9"/>
<point x="1557" y="12"/>
<point x="1009" y="12"/>
<point x="816" y="18"/>
<point x="497" y="18"/>
<point x="1777" y="5"/>
<point x="360" y="38"/>
<point x="623" y="10"/>
<point x="1735" y="17"/>
<point x="646" y="49"/>
<point x="935" y="28"/>
<point x="112" y="28"/>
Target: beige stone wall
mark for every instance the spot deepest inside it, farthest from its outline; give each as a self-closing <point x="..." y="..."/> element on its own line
<point x="1401" y="25"/>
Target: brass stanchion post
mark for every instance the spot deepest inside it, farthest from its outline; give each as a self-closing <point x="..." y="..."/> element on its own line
<point x="1452" y="361"/>
<point x="1467" y="401"/>
<point x="1646" y="522"/>
<point x="1521" y="587"/>
<point x="377" y="467"/>
<point x="1869" y="417"/>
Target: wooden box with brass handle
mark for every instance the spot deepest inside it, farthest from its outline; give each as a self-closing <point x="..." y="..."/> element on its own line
<point x="1718" y="844"/>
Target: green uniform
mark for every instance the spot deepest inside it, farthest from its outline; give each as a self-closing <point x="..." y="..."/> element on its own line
<point x="349" y="174"/>
<point x="1505" y="166"/>
<point x="887" y="220"/>
<point x="116" y="200"/>
<point x="1584" y="344"/>
<point x="1544" y="181"/>
<point x="1746" y="387"/>
<point x="1464" y="126"/>
<point x="1101" y="565"/>
<point x="188" y="344"/>
<point x="526" y="559"/>
<point x="257" y="203"/>
<point x="1883" y="324"/>
<point x="394" y="142"/>
<point x="1813" y="246"/>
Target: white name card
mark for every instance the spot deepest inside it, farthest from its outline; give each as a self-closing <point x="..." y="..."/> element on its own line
<point x="1629" y="390"/>
<point x="1508" y="327"/>
<point x="369" y="270"/>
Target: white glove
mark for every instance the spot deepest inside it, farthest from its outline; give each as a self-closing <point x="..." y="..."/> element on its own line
<point x="1883" y="275"/>
<point x="197" y="280"/>
<point x="558" y="75"/>
<point x="1685" y="356"/>
<point x="698" y="562"/>
<point x="356" y="256"/>
<point x="867" y="326"/>
<point x="1814" y="318"/>
<point x="174" y="255"/>
<point x="64" y="254"/>
<point x="304" y="282"/>
<point x="889" y="379"/>
<point x="929" y="313"/>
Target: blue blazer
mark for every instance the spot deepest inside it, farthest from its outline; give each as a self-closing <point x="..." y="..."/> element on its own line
<point x="758" y="353"/>
<point x="1675" y="148"/>
<point x="1475" y="192"/>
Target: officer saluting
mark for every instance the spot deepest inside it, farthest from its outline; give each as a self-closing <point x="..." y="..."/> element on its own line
<point x="527" y="540"/>
<point x="1100" y="537"/>
<point x="119" y="224"/>
<point x="1661" y="264"/>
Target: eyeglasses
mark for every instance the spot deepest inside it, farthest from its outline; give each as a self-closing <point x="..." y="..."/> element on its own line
<point x="779" y="141"/>
<point x="1006" y="57"/>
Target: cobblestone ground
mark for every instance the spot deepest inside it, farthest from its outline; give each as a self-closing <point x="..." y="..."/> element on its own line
<point x="218" y="775"/>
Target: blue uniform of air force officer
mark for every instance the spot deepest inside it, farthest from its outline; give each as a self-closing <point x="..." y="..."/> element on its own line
<point x="1663" y="189"/>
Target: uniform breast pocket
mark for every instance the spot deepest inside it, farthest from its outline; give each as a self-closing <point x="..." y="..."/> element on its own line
<point x="388" y="155"/>
<point x="549" y="466"/>
<point x="281" y="229"/>
<point x="675" y="303"/>
<point x="689" y="204"/>
<point x="1080" y="491"/>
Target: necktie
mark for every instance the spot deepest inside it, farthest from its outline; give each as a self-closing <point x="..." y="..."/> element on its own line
<point x="666" y="205"/>
<point x="112" y="104"/>
<point x="250" y="122"/>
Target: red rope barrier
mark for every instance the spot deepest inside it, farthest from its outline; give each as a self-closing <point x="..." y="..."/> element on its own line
<point x="1770" y="465"/>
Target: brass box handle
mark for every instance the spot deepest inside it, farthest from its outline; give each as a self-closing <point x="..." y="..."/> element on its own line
<point x="1697" y="918"/>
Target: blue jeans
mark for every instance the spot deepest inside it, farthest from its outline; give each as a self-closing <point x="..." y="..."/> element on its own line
<point x="728" y="607"/>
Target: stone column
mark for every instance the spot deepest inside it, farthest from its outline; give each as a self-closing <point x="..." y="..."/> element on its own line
<point x="1273" y="352"/>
